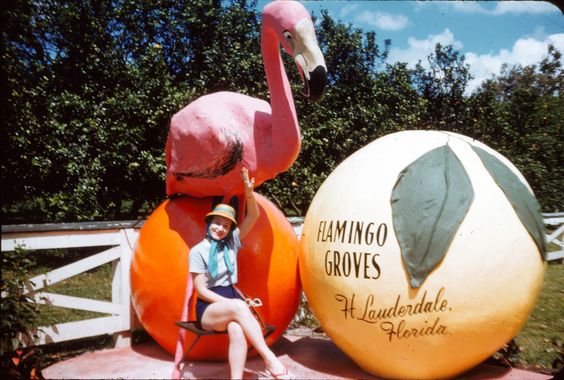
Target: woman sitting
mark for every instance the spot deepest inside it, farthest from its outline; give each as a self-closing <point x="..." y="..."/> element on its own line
<point x="213" y="266"/>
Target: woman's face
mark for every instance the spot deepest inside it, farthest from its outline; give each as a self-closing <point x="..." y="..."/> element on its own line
<point x="219" y="227"/>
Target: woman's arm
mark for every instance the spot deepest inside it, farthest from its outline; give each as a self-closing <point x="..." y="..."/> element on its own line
<point x="201" y="286"/>
<point x="252" y="206"/>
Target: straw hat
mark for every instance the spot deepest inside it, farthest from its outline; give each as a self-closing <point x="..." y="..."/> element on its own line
<point x="223" y="210"/>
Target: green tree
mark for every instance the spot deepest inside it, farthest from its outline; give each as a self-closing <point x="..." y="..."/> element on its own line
<point x="91" y="87"/>
<point x="24" y="80"/>
<point x="442" y="88"/>
<point x="520" y="113"/>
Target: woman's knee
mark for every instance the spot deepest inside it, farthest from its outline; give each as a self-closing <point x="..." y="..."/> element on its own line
<point x="239" y="308"/>
<point x="235" y="332"/>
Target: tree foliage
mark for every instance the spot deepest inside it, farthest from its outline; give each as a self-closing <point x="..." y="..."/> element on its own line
<point x="19" y="312"/>
<point x="442" y="87"/>
<point x="90" y="86"/>
<point x="520" y="113"/>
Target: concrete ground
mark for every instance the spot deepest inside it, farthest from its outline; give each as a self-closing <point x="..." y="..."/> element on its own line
<point x="307" y="357"/>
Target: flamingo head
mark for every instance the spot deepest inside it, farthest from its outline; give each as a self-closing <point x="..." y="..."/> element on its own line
<point x="294" y="28"/>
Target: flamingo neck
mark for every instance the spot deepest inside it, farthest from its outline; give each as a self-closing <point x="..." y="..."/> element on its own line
<point x="286" y="139"/>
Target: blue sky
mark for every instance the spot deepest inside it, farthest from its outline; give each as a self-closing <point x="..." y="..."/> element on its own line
<point x="488" y="33"/>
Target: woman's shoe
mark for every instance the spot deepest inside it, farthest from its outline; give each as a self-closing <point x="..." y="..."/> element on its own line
<point x="281" y="375"/>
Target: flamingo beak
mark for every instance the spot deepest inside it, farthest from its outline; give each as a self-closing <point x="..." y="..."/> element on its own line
<point x="309" y="60"/>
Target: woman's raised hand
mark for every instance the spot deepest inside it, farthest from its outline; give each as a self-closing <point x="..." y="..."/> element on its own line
<point x="253" y="211"/>
<point x="249" y="183"/>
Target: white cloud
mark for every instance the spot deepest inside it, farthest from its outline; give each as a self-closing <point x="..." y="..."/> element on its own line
<point x="347" y="9"/>
<point x="383" y="20"/>
<point x="519" y="7"/>
<point x="420" y="49"/>
<point x="525" y="51"/>
<point x="466" y="6"/>
<point x="503" y="7"/>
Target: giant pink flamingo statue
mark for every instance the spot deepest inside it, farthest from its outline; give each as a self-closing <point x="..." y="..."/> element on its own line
<point x="212" y="138"/>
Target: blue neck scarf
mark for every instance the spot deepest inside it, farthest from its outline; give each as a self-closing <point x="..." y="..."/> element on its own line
<point x="216" y="246"/>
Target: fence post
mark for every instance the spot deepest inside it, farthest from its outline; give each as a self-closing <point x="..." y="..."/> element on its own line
<point x="121" y="288"/>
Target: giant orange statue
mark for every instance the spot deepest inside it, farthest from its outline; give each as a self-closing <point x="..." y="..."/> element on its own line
<point x="268" y="266"/>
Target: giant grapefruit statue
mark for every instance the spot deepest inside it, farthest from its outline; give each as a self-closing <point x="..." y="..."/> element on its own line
<point x="422" y="254"/>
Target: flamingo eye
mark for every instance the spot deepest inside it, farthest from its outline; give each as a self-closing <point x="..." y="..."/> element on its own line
<point x="289" y="39"/>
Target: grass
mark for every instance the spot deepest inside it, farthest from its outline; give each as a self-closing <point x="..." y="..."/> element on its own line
<point x="541" y="342"/>
<point x="539" y="346"/>
<point x="94" y="284"/>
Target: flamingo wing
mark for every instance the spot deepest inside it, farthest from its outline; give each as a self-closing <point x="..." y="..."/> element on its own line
<point x="211" y="139"/>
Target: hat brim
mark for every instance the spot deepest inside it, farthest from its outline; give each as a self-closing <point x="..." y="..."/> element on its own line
<point x="224" y="214"/>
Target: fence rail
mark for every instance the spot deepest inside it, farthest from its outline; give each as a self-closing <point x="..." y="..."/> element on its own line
<point x="116" y="241"/>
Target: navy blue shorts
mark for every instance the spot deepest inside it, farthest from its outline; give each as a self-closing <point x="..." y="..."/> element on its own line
<point x="224" y="291"/>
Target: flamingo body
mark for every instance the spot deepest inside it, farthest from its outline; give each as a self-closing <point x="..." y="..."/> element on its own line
<point x="213" y="137"/>
<point x="217" y="134"/>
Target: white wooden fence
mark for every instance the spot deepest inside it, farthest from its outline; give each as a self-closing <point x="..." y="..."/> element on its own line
<point x="555" y="222"/>
<point x="120" y="237"/>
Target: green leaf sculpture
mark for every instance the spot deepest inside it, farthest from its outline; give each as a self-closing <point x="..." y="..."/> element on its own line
<point x="523" y="201"/>
<point x="429" y="201"/>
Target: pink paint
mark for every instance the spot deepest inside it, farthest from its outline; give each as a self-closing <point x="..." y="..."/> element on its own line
<point x="212" y="138"/>
<point x="180" y="344"/>
<point x="306" y="355"/>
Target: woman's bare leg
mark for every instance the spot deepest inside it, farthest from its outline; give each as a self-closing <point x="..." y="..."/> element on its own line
<point x="218" y="315"/>
<point x="237" y="350"/>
